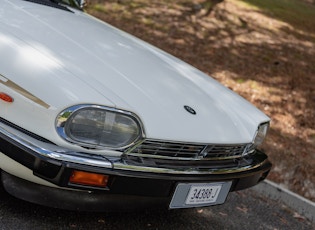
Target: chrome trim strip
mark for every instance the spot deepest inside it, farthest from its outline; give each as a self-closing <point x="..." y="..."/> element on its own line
<point x="51" y="151"/>
<point x="121" y="166"/>
<point x="22" y="91"/>
<point x="199" y="158"/>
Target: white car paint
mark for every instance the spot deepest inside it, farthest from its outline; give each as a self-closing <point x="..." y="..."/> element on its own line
<point x="65" y="59"/>
<point x="53" y="59"/>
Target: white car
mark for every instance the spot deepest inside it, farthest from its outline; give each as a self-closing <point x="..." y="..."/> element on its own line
<point x="92" y="118"/>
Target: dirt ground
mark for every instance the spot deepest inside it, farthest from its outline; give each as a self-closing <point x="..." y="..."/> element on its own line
<point x="268" y="61"/>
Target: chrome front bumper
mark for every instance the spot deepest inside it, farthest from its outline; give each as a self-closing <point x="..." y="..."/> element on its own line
<point x="49" y="151"/>
<point x="127" y="182"/>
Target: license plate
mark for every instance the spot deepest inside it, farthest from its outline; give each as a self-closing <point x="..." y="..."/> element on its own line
<point x="189" y="195"/>
<point x="204" y="194"/>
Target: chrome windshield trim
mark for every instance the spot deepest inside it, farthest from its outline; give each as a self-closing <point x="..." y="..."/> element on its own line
<point x="53" y="4"/>
<point x="51" y="151"/>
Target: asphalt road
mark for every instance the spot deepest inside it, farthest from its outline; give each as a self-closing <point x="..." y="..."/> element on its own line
<point x="242" y="210"/>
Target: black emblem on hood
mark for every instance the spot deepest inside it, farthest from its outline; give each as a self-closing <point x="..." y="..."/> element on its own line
<point x="190" y="110"/>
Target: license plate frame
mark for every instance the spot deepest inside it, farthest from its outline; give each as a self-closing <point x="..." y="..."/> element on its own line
<point x="189" y="195"/>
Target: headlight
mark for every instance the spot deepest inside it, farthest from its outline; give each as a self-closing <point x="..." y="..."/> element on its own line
<point x="94" y="126"/>
<point x="261" y="134"/>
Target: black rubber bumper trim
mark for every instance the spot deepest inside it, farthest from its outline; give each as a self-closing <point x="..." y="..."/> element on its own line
<point x="77" y="199"/>
<point x="124" y="182"/>
<point x="125" y="188"/>
<point x="126" y="193"/>
<point x="59" y="173"/>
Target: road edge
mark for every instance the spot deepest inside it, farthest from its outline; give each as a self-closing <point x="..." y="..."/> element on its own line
<point x="294" y="201"/>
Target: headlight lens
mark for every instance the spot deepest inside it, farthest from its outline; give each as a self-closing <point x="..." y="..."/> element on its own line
<point x="261" y="134"/>
<point x="98" y="127"/>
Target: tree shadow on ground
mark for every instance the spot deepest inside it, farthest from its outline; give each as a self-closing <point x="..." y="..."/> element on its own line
<point x="300" y="15"/>
<point x="242" y="210"/>
<point x="265" y="61"/>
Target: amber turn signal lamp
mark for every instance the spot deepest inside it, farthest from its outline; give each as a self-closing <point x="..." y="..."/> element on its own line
<point x="87" y="178"/>
<point x="5" y="97"/>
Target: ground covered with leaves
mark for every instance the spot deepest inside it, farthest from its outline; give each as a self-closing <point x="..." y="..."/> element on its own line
<point x="263" y="50"/>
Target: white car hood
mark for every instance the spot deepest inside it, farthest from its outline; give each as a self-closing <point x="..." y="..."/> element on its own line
<point x="72" y="58"/>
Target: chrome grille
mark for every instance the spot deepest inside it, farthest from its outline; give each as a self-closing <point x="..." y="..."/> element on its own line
<point x="225" y="151"/>
<point x="182" y="151"/>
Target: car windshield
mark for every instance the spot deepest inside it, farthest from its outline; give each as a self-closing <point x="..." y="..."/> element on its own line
<point x="72" y="3"/>
<point x="54" y="3"/>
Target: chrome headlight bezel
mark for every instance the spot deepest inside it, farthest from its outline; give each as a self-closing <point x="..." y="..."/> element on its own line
<point x="261" y="134"/>
<point x="66" y="116"/>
